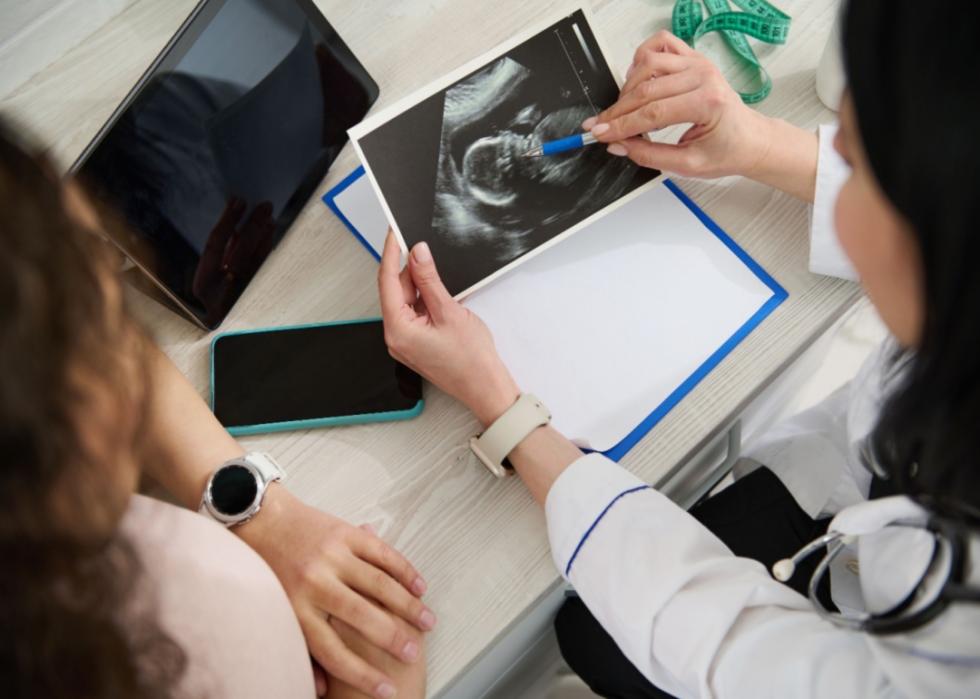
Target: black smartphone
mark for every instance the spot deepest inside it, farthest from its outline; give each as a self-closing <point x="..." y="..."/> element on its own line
<point x="308" y="376"/>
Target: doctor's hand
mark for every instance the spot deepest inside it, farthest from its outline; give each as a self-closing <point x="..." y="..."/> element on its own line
<point x="670" y="83"/>
<point x="430" y="332"/>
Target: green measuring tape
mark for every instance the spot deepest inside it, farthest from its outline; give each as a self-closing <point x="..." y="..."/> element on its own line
<point x="760" y="20"/>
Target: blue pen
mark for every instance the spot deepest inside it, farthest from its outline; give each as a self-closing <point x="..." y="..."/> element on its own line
<point x="562" y="144"/>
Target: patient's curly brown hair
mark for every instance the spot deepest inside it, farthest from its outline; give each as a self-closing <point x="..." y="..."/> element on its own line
<point x="67" y="628"/>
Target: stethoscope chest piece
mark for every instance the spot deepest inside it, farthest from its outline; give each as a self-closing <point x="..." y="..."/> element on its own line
<point x="937" y="551"/>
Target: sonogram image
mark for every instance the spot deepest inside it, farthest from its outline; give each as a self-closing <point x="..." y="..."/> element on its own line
<point x="489" y="195"/>
<point x="454" y="168"/>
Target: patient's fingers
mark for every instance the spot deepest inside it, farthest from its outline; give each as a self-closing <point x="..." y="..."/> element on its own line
<point x="376" y="552"/>
<point x="319" y="679"/>
<point x="379" y="626"/>
<point x="376" y="584"/>
<point x="408" y="678"/>
<point x="339" y="661"/>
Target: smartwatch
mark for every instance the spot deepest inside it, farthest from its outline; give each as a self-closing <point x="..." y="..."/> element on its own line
<point x="507" y="431"/>
<point x="235" y="490"/>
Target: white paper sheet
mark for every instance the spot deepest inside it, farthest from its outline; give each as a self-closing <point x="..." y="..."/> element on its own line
<point x="604" y="326"/>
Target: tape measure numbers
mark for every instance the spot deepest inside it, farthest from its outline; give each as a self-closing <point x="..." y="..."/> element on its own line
<point x="760" y="20"/>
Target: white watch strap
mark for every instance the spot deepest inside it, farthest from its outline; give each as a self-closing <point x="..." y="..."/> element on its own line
<point x="509" y="430"/>
<point x="265" y="465"/>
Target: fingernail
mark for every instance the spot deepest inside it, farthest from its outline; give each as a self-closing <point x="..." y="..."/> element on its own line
<point x="589" y="123"/>
<point x="421" y="253"/>
<point x="385" y="690"/>
<point x="599" y="129"/>
<point x="617" y="149"/>
<point x="427" y="620"/>
<point x="411" y="651"/>
<point x="419" y="587"/>
<point x="629" y="71"/>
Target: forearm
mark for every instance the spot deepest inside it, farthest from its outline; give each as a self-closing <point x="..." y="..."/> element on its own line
<point x="541" y="458"/>
<point x="789" y="160"/>
<point x="685" y="611"/>
<point x="184" y="440"/>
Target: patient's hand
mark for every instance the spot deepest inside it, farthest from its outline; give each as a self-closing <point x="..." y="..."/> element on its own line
<point x="409" y="680"/>
<point x="330" y="568"/>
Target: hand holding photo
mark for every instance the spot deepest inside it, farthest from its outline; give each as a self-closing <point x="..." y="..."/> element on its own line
<point x="453" y="164"/>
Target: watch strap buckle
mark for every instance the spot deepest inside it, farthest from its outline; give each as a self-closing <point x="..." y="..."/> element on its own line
<point x="510" y="429"/>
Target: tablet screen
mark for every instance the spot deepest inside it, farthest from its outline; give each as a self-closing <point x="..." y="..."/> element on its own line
<point x="223" y="142"/>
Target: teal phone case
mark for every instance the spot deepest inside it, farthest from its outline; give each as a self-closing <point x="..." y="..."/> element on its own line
<point x="246" y="430"/>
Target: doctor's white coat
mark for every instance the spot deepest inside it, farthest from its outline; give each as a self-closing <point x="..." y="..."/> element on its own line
<point x="698" y="621"/>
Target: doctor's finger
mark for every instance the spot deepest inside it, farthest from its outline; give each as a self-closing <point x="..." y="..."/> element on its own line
<point x="680" y="109"/>
<point x="678" y="159"/>
<point x="395" y="306"/>
<point x="654" y="65"/>
<point x="425" y="276"/>
<point x="662" y="41"/>
<point x="409" y="292"/>
<point x="651" y="91"/>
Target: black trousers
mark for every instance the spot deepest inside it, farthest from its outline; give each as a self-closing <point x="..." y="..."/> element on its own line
<point x="757" y="518"/>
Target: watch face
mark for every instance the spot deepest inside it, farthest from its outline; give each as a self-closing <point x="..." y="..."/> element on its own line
<point x="233" y="490"/>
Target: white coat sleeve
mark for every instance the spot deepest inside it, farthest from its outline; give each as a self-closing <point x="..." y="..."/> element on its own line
<point x="826" y="255"/>
<point x="692" y="617"/>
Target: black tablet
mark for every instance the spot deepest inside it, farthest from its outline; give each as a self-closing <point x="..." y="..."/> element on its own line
<point x="212" y="155"/>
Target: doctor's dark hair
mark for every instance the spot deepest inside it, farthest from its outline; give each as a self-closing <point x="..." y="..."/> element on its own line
<point x="74" y="620"/>
<point x="914" y="79"/>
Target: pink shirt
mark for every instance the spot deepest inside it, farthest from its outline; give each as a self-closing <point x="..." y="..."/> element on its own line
<point x="220" y="601"/>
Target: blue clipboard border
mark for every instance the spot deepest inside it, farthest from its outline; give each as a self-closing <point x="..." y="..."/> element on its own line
<point x="329" y="198"/>
<point x="779" y="294"/>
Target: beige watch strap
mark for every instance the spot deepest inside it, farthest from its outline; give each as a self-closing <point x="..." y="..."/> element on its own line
<point x="509" y="430"/>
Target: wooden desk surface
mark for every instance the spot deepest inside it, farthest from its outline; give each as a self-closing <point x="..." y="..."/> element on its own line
<point x="479" y="542"/>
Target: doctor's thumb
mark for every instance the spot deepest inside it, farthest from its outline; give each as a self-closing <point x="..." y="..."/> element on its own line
<point x="425" y="276"/>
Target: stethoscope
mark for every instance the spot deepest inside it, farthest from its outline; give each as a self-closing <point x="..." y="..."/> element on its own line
<point x="909" y="614"/>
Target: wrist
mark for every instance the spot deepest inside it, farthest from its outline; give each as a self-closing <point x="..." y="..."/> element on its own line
<point x="787" y="159"/>
<point x="495" y="398"/>
<point x="275" y="501"/>
<point x="759" y="137"/>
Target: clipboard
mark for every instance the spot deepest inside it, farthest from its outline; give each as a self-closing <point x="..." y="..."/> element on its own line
<point x="716" y="295"/>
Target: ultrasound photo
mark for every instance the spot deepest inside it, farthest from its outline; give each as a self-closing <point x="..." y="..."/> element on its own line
<point x="453" y="169"/>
